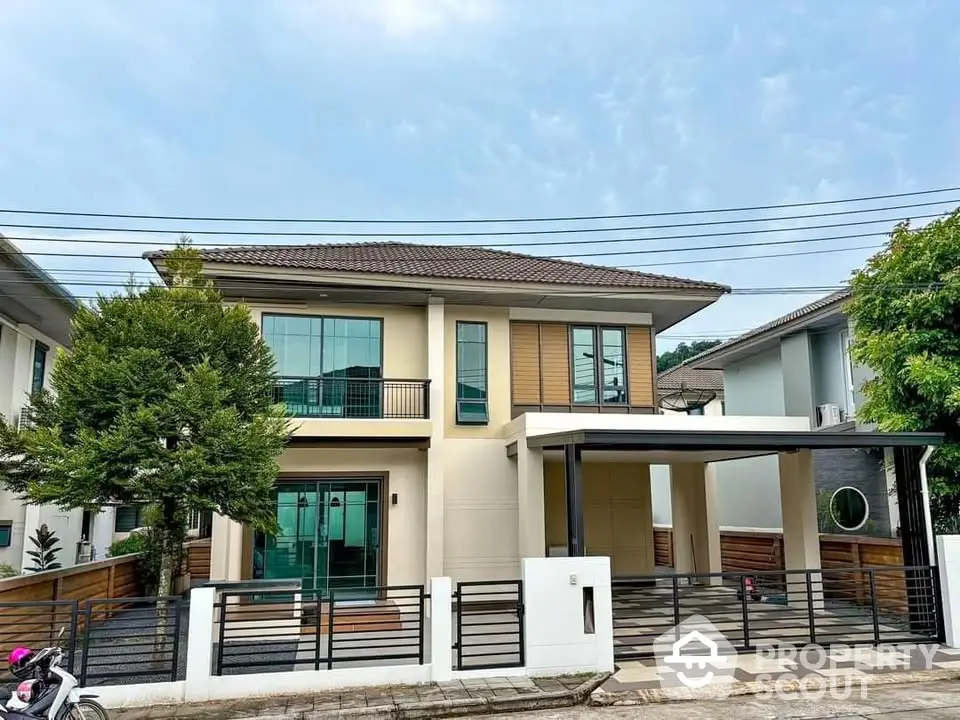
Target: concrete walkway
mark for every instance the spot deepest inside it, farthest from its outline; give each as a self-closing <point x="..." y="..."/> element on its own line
<point x="929" y="701"/>
<point x="494" y="696"/>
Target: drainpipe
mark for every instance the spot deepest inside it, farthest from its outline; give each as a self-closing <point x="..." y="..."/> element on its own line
<point x="925" y="497"/>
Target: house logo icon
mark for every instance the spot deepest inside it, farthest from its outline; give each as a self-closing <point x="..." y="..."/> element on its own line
<point x="694" y="655"/>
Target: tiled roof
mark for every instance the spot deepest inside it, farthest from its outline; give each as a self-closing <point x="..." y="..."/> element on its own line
<point x="823" y="303"/>
<point x="690" y="379"/>
<point x="443" y="261"/>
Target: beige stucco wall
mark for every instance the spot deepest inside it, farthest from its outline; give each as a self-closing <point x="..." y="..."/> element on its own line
<point x="405" y="521"/>
<point x="498" y="369"/>
<point x="618" y="513"/>
<point x="404" y="332"/>
<point x="480" y="511"/>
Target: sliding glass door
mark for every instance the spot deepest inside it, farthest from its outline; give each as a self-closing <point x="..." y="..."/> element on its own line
<point x="329" y="537"/>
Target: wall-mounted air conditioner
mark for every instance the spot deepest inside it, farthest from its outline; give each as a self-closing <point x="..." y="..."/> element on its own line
<point x="828" y="414"/>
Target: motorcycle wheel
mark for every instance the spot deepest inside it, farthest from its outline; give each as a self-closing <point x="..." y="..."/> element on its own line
<point x="85" y="709"/>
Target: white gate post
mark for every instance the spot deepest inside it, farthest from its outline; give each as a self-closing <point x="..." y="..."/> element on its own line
<point x="441" y="629"/>
<point x="200" y="644"/>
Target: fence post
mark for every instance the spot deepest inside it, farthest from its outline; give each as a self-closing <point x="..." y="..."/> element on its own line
<point x="441" y="626"/>
<point x="200" y="644"/>
<point x="948" y="560"/>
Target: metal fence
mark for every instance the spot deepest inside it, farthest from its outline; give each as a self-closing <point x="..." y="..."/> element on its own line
<point x="105" y="641"/>
<point x="488" y="624"/>
<point x="855" y="606"/>
<point x="280" y="630"/>
<point x="336" y="397"/>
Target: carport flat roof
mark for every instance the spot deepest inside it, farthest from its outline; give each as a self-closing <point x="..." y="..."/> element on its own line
<point x="730" y="440"/>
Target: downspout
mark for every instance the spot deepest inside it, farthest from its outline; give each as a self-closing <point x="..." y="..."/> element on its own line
<point x="925" y="497"/>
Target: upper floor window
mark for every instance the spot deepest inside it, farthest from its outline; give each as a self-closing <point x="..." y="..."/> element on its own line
<point x="39" y="367"/>
<point x="327" y="366"/>
<point x="472" y="408"/>
<point x="599" y="366"/>
<point x="127" y="518"/>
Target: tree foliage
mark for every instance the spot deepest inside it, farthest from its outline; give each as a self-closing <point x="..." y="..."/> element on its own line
<point x="164" y="400"/>
<point x="682" y="352"/>
<point x="905" y="308"/>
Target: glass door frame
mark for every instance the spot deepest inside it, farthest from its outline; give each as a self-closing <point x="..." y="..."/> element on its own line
<point x="322" y="486"/>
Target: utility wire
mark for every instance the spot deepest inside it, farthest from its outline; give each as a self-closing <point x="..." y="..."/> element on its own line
<point x="463" y="221"/>
<point x="498" y="233"/>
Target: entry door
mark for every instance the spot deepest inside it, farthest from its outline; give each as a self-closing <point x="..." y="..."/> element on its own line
<point x="329" y="537"/>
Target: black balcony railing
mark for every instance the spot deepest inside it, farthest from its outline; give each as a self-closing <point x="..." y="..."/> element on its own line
<point x="340" y="397"/>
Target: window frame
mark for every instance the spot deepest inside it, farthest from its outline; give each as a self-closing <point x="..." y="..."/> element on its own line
<point x="598" y="384"/>
<point x="6" y="525"/>
<point x="459" y="402"/>
<point x="138" y="518"/>
<point x="38" y="348"/>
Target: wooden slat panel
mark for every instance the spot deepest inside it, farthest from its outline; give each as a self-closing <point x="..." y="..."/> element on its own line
<point x="640" y="366"/>
<point x="525" y="363"/>
<point x="555" y="353"/>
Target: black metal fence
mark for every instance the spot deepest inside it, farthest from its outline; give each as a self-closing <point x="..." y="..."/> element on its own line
<point x="343" y="397"/>
<point x="105" y="641"/>
<point x="855" y="606"/>
<point x="488" y="624"/>
<point x="279" y="630"/>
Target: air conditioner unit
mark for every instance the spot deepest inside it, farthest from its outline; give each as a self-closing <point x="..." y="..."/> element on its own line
<point x="828" y="414"/>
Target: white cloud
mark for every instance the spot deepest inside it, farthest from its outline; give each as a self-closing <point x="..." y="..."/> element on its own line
<point x="553" y="126"/>
<point x="776" y="96"/>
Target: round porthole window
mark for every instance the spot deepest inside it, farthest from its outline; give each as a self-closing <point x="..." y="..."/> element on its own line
<point x="849" y="508"/>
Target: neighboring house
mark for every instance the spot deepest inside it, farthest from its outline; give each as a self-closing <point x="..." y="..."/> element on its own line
<point x="35" y="316"/>
<point x="799" y="365"/>
<point x="460" y="408"/>
<point x="701" y="393"/>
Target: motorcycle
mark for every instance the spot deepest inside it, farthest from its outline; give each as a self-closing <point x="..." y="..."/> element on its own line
<point x="47" y="691"/>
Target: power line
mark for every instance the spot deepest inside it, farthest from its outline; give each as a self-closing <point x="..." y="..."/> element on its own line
<point x="499" y="233"/>
<point x="462" y="221"/>
<point x="572" y="257"/>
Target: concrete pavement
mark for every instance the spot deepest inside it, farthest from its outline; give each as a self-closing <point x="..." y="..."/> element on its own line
<point x="890" y="702"/>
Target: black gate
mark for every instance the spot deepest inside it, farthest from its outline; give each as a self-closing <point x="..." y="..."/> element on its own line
<point x="489" y="624"/>
<point x="854" y="606"/>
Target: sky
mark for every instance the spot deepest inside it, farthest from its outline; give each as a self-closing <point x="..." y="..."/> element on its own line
<point x="439" y="109"/>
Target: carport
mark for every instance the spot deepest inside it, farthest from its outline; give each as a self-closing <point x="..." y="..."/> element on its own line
<point x="808" y="609"/>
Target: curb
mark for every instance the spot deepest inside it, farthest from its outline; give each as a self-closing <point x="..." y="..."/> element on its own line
<point x="601" y="698"/>
<point x="466" y="706"/>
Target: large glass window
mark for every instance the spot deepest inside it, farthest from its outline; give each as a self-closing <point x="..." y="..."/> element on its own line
<point x="472" y="373"/>
<point x="327" y="366"/>
<point x="599" y="367"/>
<point x="39" y="367"/>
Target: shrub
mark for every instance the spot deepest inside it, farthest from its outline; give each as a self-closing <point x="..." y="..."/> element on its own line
<point x="130" y="545"/>
<point x="7" y="571"/>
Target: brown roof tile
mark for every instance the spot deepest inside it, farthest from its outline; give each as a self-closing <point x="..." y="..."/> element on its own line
<point x="443" y="261"/>
<point x="690" y="379"/>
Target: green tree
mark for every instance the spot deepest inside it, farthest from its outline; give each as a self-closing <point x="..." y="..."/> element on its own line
<point x="905" y="306"/>
<point x="682" y="352"/>
<point x="164" y="400"/>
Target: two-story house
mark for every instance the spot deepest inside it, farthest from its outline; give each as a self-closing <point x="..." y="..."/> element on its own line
<point x="35" y="316"/>
<point x="800" y="365"/>
<point x="460" y="408"/>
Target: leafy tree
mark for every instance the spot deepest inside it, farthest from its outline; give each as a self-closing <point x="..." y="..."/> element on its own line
<point x="905" y="306"/>
<point x="46" y="548"/>
<point x="164" y="400"/>
<point x="682" y="352"/>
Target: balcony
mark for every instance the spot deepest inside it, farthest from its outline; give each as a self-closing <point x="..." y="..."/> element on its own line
<point x="353" y="398"/>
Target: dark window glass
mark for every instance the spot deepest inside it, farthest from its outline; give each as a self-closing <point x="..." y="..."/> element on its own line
<point x="39" y="367"/>
<point x="472" y="373"/>
<point x="614" y="362"/>
<point x="127" y="518"/>
<point x="849" y="509"/>
<point x="6" y="534"/>
<point x="584" y="365"/>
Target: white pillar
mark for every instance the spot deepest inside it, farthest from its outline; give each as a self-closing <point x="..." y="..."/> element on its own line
<point x="801" y="527"/>
<point x="436" y="349"/>
<point x="200" y="645"/>
<point x="226" y="549"/>
<point x="696" y="525"/>
<point x="441" y="629"/>
<point x="532" y="531"/>
<point x="948" y="561"/>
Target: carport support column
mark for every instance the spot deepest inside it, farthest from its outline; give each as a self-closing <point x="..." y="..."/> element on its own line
<point x="696" y="526"/>
<point x="801" y="527"/>
<point x="532" y="531"/>
<point x="573" y="479"/>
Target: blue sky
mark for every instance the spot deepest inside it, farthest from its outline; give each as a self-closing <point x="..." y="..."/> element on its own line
<point x="479" y="108"/>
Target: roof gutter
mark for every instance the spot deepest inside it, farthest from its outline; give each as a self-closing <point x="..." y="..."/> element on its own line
<point x="38" y="274"/>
